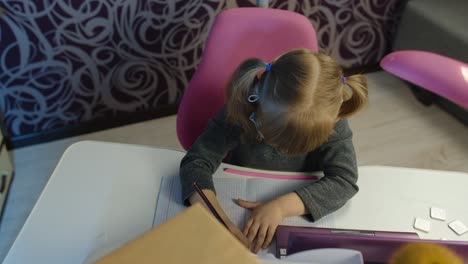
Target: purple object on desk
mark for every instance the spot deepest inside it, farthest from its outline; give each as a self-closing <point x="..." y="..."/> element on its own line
<point x="375" y="246"/>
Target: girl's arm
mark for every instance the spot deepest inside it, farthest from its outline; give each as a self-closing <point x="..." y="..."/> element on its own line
<point x="203" y="159"/>
<point x="206" y="154"/>
<point x="322" y="197"/>
<point x="337" y="159"/>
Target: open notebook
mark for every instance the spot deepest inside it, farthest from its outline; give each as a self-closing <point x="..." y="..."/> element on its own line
<point x="227" y="189"/>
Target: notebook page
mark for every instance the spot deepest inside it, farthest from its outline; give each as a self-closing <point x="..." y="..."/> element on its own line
<point x="264" y="190"/>
<point x="170" y="199"/>
<point x="267" y="189"/>
<point x="228" y="189"/>
<point x="250" y="189"/>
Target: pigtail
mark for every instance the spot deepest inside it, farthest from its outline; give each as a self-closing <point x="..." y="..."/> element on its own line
<point x="240" y="86"/>
<point x="354" y="102"/>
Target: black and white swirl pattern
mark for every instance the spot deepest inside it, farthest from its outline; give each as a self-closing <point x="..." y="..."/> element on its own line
<point x="63" y="62"/>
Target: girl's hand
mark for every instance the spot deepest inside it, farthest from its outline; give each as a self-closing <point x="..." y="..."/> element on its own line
<point x="263" y="223"/>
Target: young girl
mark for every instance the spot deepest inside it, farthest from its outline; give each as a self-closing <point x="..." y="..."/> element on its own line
<point x="286" y="115"/>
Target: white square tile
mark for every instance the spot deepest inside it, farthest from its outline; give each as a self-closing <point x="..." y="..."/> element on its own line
<point x="458" y="227"/>
<point x="438" y="213"/>
<point x="422" y="224"/>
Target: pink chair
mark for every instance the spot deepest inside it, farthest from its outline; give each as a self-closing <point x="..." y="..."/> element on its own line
<point x="237" y="34"/>
<point x="439" y="74"/>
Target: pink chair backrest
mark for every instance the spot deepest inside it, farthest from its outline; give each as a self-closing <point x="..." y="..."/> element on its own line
<point x="236" y="35"/>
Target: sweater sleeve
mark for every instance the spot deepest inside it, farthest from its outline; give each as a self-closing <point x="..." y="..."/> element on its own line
<point x="338" y="159"/>
<point x="206" y="154"/>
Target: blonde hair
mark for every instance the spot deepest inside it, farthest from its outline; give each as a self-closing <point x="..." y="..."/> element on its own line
<point x="301" y="98"/>
<point x="423" y="253"/>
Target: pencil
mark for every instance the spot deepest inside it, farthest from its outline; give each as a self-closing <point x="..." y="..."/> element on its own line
<point x="210" y="206"/>
<point x="3" y="185"/>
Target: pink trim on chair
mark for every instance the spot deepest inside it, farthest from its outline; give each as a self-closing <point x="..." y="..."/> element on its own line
<point x="271" y="176"/>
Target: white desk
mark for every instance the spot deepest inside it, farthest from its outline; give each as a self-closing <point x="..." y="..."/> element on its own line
<point x="104" y="194"/>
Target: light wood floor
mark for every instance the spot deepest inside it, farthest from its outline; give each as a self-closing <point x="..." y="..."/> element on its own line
<point x="393" y="130"/>
<point x="396" y="130"/>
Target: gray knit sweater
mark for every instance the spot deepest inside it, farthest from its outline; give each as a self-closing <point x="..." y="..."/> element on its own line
<point x="336" y="158"/>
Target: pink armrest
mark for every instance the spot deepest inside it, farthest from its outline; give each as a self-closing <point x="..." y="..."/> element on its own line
<point x="441" y="75"/>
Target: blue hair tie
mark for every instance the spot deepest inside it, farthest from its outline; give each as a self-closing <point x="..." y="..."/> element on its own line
<point x="268" y="67"/>
<point x="344" y="80"/>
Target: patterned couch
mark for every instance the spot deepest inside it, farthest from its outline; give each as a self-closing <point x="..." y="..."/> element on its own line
<point x="77" y="65"/>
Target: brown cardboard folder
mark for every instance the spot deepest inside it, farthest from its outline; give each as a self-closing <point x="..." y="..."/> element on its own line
<point x="193" y="236"/>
